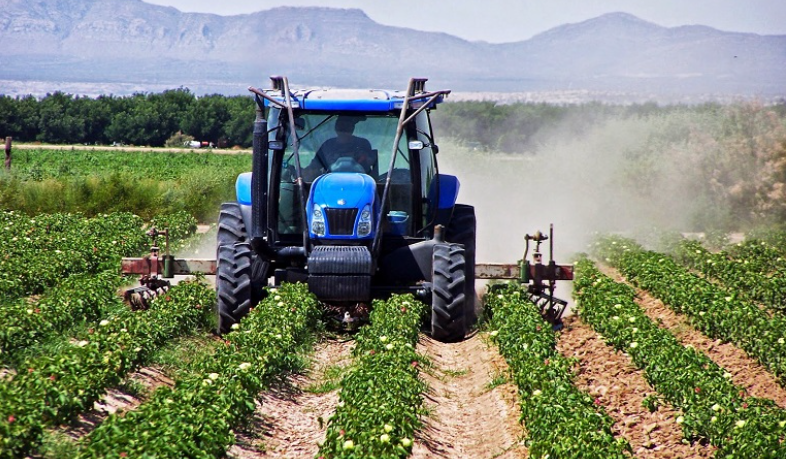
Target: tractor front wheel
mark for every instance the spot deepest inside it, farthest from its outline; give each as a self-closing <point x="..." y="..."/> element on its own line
<point x="448" y="293"/>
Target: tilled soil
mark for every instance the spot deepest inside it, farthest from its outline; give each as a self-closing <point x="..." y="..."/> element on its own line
<point x="468" y="418"/>
<point x="620" y="388"/>
<point x="147" y="378"/>
<point x="745" y="371"/>
<point x="286" y="422"/>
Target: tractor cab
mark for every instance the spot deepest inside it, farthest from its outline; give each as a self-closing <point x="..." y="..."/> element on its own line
<point x="344" y="160"/>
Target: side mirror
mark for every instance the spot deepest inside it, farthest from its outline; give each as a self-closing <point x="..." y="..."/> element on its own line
<point x="435" y="148"/>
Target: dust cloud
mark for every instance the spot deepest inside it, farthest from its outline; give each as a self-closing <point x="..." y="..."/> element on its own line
<point x="582" y="180"/>
<point x="581" y="183"/>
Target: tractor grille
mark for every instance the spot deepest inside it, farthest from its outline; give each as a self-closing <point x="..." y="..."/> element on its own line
<point x="341" y="222"/>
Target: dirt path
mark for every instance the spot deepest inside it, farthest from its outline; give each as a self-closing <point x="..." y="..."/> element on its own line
<point x="139" y="385"/>
<point x="286" y="422"/>
<point x="468" y="417"/>
<point x="745" y="371"/>
<point x="620" y="388"/>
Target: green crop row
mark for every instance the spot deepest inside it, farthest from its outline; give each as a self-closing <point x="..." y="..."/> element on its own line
<point x="195" y="418"/>
<point x="381" y="397"/>
<point x="561" y="421"/>
<point x="52" y="389"/>
<point x="37" y="165"/>
<point x="40" y="251"/>
<point x="80" y="298"/>
<point x="717" y="312"/>
<point x="738" y="274"/>
<point x="774" y="236"/>
<point x="760" y="256"/>
<point x="712" y="407"/>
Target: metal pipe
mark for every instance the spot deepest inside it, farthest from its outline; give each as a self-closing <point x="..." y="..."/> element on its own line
<point x="399" y="131"/>
<point x="266" y="97"/>
<point x="296" y="152"/>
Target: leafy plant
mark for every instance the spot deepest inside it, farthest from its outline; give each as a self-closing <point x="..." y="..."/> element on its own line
<point x="381" y="394"/>
<point x="196" y="417"/>
<point x="52" y="389"/>
<point x="717" y="312"/>
<point x="548" y="397"/>
<point x="711" y="406"/>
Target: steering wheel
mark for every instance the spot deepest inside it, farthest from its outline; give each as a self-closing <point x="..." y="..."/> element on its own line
<point x="347" y="164"/>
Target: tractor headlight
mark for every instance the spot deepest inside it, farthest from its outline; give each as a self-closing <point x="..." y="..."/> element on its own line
<point x="364" y="225"/>
<point x="317" y="221"/>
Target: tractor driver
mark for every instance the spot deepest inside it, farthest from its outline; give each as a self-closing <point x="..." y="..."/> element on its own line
<point x="331" y="155"/>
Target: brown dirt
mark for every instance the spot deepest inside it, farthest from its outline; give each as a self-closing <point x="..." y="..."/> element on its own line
<point x="286" y="422"/>
<point x="745" y="371"/>
<point x="148" y="378"/>
<point x="468" y="419"/>
<point x="621" y="388"/>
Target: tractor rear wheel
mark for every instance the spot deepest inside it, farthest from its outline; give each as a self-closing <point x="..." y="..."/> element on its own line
<point x="448" y="293"/>
<point x="462" y="230"/>
<point x="241" y="274"/>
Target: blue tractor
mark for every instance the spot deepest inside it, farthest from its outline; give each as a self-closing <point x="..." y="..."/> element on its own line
<point x="346" y="196"/>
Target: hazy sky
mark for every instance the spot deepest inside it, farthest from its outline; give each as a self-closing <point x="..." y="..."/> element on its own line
<point x="500" y="21"/>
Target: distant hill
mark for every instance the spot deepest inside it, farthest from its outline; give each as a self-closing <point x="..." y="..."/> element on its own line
<point x="131" y="44"/>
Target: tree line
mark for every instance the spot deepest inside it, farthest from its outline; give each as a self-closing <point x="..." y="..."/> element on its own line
<point x="158" y="119"/>
<point x="141" y="119"/>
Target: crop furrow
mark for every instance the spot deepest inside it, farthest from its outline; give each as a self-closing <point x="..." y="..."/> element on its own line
<point x="715" y="311"/>
<point x="381" y="396"/>
<point x="561" y="421"/>
<point x="195" y="418"/>
<point x="713" y="407"/>
<point x="53" y="389"/>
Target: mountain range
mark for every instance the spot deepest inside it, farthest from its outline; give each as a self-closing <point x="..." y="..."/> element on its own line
<point x="132" y="44"/>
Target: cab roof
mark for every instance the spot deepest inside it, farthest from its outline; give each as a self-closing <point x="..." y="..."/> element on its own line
<point x="360" y="100"/>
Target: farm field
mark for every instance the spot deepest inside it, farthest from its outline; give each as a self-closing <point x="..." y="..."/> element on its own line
<point x="642" y="369"/>
<point x="677" y="352"/>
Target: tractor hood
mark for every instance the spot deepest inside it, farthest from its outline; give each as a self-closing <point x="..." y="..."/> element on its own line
<point x="341" y="205"/>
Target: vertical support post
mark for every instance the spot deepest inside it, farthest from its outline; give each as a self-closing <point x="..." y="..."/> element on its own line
<point x="8" y="152"/>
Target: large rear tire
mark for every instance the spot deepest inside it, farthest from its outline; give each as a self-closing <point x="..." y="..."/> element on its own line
<point x="241" y="273"/>
<point x="448" y="293"/>
<point x="462" y="229"/>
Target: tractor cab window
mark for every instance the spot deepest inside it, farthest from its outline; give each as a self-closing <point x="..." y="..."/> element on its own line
<point x="428" y="164"/>
<point x="342" y="142"/>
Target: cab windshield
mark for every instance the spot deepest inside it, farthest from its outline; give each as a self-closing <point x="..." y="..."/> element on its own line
<point x="343" y="142"/>
<point x="347" y="142"/>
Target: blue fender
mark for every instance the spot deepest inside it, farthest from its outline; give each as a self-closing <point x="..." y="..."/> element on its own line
<point x="243" y="188"/>
<point x="448" y="191"/>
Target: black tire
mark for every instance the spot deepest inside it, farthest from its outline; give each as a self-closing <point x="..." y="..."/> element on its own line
<point x="448" y="293"/>
<point x="462" y="230"/>
<point x="233" y="284"/>
<point x="241" y="273"/>
<point x="231" y="228"/>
